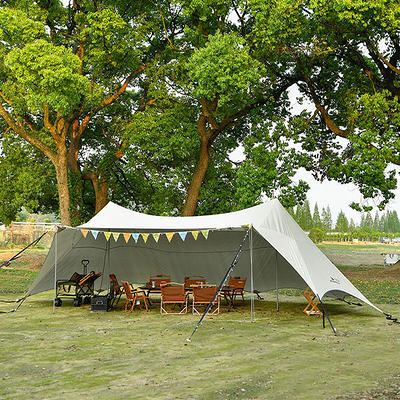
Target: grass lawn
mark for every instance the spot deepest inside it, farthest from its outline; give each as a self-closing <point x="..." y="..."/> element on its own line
<point x="78" y="354"/>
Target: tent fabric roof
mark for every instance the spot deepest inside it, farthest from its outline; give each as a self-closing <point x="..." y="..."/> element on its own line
<point x="115" y="217"/>
<point x="269" y="219"/>
<point x="283" y="255"/>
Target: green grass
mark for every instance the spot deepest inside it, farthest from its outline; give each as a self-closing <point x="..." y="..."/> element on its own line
<point x="78" y="354"/>
<point x="15" y="280"/>
<point x="75" y="353"/>
<point x="387" y="292"/>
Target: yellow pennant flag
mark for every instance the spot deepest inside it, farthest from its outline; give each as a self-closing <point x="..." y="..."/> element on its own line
<point x="170" y="235"/>
<point x="156" y="237"/>
<point x="205" y="233"/>
<point x="195" y="234"/>
<point x="107" y="235"/>
<point x="115" y="235"/>
<point x="84" y="232"/>
<point x="145" y="236"/>
<point x="126" y="237"/>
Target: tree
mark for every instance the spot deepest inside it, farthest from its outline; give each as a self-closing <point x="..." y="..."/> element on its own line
<point x="342" y="224"/>
<point x="219" y="74"/>
<point x="348" y="56"/>
<point x="303" y="216"/>
<point x="367" y="223"/>
<point x="26" y="180"/>
<point x="326" y="219"/>
<point x="63" y="67"/>
<point x="352" y="225"/>
<point x="392" y="224"/>
<point x="317" y="223"/>
<point x="377" y="223"/>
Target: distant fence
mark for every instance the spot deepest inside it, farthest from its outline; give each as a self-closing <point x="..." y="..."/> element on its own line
<point x="20" y="234"/>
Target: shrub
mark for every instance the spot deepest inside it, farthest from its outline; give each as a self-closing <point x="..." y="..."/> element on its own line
<point x="316" y="235"/>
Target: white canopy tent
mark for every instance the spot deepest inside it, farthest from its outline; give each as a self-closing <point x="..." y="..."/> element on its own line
<point x="280" y="254"/>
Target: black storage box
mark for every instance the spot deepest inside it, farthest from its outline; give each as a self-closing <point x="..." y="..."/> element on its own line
<point x="100" y="303"/>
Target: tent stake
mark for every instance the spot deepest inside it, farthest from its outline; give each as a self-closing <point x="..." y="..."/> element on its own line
<point x="55" y="270"/>
<point x="251" y="275"/>
<point x="276" y="281"/>
<point x="324" y="312"/>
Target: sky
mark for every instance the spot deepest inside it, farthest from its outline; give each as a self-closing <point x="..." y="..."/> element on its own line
<point x="338" y="196"/>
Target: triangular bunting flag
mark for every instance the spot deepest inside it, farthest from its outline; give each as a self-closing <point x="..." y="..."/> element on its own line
<point x="84" y="232"/>
<point x="205" y="233"/>
<point x="156" y="236"/>
<point x="145" y="236"/>
<point x="115" y="235"/>
<point x="126" y="237"/>
<point x="135" y="237"/>
<point x="107" y="235"/>
<point x="195" y="234"/>
<point x="170" y="235"/>
<point x="94" y="233"/>
<point x="183" y="235"/>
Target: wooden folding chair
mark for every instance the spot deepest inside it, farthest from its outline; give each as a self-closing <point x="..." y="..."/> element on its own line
<point x="202" y="296"/>
<point x="194" y="280"/>
<point x="157" y="280"/>
<point x="133" y="296"/>
<point x="116" y="289"/>
<point x="312" y="306"/>
<point x="236" y="284"/>
<point x="173" y="293"/>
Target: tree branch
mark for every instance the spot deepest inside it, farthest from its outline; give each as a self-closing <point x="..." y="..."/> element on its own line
<point x="122" y="89"/>
<point x="383" y="58"/>
<point x="324" y="113"/>
<point x="21" y="131"/>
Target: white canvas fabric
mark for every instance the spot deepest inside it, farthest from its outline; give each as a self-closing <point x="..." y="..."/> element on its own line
<point x="283" y="255"/>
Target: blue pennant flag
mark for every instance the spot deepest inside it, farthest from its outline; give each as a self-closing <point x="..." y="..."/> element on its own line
<point x="95" y="233"/>
<point x="183" y="235"/>
<point x="135" y="236"/>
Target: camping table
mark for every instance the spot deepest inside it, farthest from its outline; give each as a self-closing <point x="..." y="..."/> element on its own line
<point x="150" y="289"/>
<point x="228" y="293"/>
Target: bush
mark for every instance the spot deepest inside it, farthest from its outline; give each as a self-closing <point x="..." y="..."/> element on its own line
<point x="316" y="235"/>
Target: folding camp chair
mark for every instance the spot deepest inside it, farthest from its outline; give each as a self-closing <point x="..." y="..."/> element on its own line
<point x="236" y="286"/>
<point x="194" y="280"/>
<point x="116" y="290"/>
<point x="173" y="293"/>
<point x="157" y="280"/>
<point x="134" y="297"/>
<point x="202" y="296"/>
<point x="312" y="306"/>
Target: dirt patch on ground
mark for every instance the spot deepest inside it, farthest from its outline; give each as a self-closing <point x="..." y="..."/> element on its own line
<point x="30" y="261"/>
<point x="354" y="257"/>
<point x="380" y="274"/>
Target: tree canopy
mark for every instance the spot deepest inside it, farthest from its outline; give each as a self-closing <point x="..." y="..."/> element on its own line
<point x="143" y="102"/>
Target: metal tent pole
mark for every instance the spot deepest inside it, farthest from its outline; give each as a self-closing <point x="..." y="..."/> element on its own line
<point x="55" y="269"/>
<point x="324" y="313"/>
<point x="276" y="281"/>
<point x="223" y="282"/>
<point x="251" y="275"/>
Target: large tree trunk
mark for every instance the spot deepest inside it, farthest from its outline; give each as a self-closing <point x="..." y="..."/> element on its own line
<point x="60" y="165"/>
<point x="101" y="195"/>
<point x="192" y="197"/>
<point x="100" y="186"/>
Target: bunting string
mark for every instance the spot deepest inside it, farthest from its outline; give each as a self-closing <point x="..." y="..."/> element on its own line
<point x="183" y="235"/>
